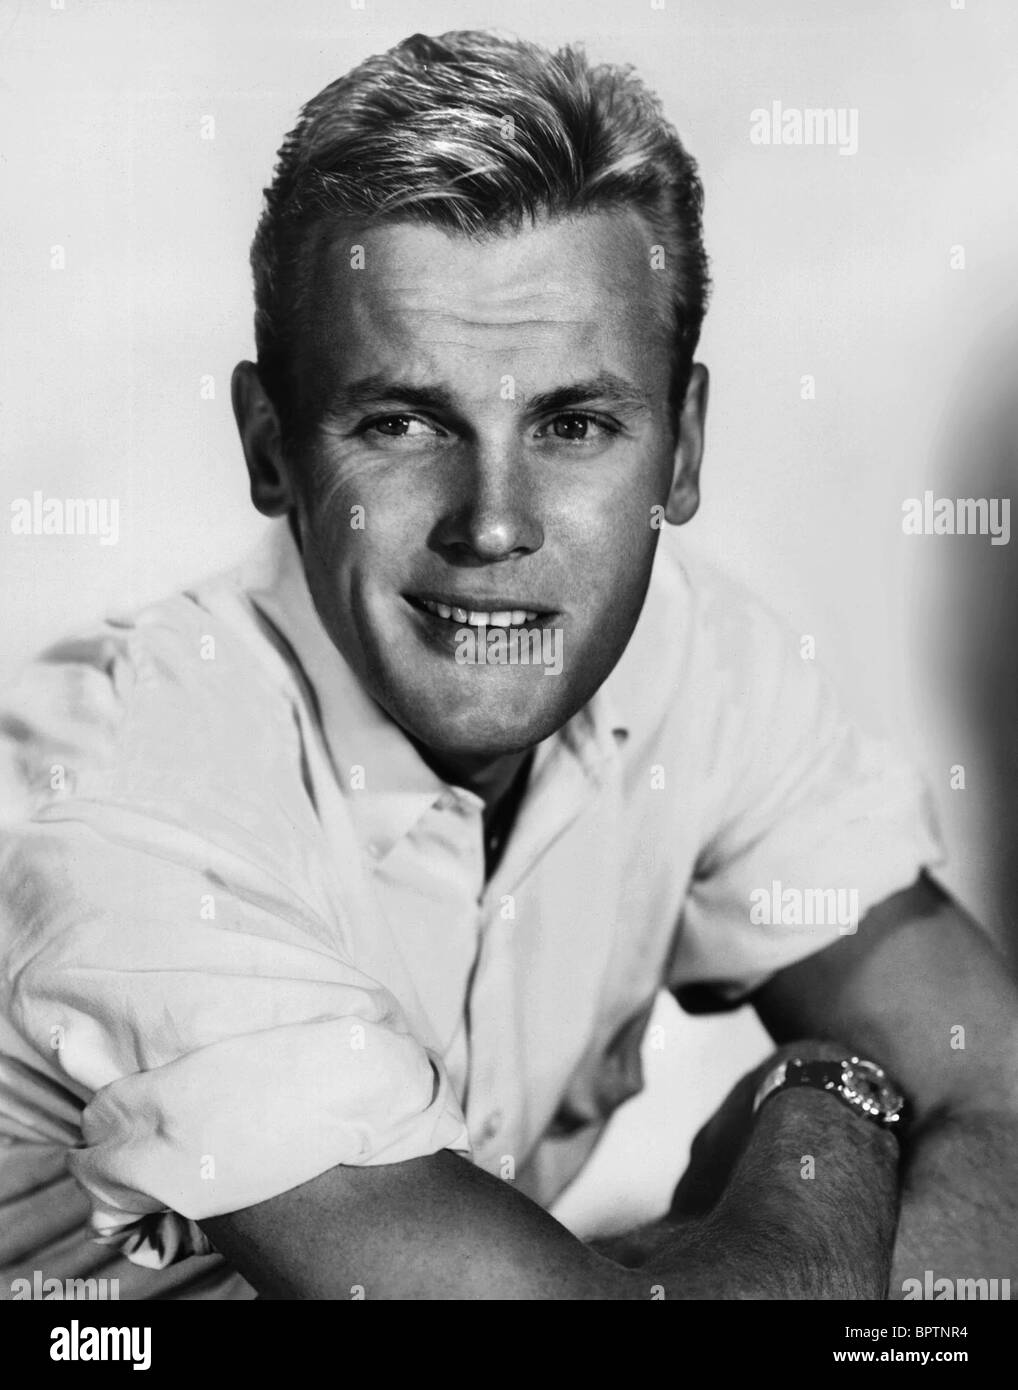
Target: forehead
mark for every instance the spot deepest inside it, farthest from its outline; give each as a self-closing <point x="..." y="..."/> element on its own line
<point x="424" y="299"/>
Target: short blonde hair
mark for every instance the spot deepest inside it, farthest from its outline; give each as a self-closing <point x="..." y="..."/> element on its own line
<point x="473" y="133"/>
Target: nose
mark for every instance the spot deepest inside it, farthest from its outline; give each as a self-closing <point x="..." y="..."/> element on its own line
<point x="493" y="513"/>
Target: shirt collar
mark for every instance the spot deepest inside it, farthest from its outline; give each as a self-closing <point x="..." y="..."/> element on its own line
<point x="398" y="786"/>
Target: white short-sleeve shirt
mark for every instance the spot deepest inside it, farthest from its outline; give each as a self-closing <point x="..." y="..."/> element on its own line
<point x="245" y="932"/>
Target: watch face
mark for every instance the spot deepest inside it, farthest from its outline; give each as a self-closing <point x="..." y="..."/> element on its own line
<point x="869" y="1087"/>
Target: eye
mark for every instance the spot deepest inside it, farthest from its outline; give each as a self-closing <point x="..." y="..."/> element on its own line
<point x="399" y="427"/>
<point x="578" y="427"/>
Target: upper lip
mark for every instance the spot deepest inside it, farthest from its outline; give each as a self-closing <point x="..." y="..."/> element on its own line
<point x="478" y="604"/>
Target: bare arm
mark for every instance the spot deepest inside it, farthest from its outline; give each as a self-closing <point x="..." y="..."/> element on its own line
<point x="920" y="988"/>
<point x="440" y="1228"/>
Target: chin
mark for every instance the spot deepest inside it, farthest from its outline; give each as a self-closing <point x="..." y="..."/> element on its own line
<point x="474" y="732"/>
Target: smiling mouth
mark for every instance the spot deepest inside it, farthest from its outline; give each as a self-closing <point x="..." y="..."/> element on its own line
<point x="478" y="617"/>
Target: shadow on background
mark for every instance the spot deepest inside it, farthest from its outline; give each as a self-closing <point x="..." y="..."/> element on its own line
<point x="978" y="583"/>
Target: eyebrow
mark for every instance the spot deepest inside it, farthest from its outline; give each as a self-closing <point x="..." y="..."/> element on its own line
<point x="613" y="390"/>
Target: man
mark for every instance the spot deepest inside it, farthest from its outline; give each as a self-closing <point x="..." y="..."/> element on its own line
<point x="338" y="891"/>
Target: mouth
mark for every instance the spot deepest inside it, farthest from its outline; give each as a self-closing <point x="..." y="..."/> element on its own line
<point x="470" y="614"/>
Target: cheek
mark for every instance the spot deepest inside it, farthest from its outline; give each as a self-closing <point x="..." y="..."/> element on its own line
<point x="612" y="534"/>
<point x="360" y="512"/>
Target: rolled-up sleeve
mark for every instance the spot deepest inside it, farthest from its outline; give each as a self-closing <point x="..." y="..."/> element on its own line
<point x="224" y="1045"/>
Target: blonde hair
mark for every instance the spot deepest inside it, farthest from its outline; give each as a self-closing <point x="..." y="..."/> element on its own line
<point x="472" y="133"/>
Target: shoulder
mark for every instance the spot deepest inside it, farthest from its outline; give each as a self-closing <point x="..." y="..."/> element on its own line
<point x="709" y="639"/>
<point x="174" y="695"/>
<point x="726" y="614"/>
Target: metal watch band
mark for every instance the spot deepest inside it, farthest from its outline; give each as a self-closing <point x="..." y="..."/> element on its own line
<point x="862" y="1086"/>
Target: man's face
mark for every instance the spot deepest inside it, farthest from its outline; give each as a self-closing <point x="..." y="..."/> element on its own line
<point x="492" y="436"/>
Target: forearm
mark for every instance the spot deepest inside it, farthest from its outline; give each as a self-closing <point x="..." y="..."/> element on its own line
<point x="809" y="1212"/>
<point x="441" y="1228"/>
<point x="958" y="1214"/>
<point x="959" y="1209"/>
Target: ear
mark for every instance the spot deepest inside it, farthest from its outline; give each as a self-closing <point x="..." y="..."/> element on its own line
<point x="260" y="436"/>
<point x="684" y="494"/>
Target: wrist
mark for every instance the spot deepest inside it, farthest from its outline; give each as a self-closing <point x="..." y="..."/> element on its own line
<point x="820" y="1119"/>
<point x="819" y="1184"/>
<point x="857" y="1083"/>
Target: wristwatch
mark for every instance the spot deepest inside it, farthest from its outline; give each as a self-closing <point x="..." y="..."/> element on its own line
<point x="862" y="1086"/>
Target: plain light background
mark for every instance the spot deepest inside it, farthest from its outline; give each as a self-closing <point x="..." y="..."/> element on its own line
<point x="825" y="265"/>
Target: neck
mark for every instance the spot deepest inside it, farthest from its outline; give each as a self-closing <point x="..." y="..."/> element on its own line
<point x="489" y="778"/>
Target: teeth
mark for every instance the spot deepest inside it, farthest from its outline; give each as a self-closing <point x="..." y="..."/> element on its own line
<point x="505" y="617"/>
